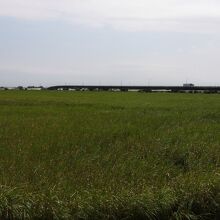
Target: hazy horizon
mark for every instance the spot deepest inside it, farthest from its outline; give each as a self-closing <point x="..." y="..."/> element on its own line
<point x="94" y="42"/>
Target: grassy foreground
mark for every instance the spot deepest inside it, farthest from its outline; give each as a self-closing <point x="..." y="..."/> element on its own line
<point x="103" y="155"/>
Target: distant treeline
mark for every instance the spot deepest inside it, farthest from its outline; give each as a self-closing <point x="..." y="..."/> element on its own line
<point x="23" y="88"/>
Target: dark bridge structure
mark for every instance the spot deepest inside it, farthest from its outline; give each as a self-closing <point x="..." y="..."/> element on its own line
<point x="206" y="89"/>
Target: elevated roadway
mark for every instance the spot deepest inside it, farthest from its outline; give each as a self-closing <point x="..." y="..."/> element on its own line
<point x="137" y="88"/>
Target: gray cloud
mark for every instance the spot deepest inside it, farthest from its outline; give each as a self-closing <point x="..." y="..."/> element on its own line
<point x="138" y="15"/>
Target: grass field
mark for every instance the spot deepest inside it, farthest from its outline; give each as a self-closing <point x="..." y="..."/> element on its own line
<point x="105" y="155"/>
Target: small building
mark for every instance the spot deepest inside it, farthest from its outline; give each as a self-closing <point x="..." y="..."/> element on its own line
<point x="35" y="88"/>
<point x="11" y="88"/>
<point x="188" y="85"/>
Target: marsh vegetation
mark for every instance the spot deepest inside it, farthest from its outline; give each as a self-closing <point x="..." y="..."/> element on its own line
<point x="106" y="155"/>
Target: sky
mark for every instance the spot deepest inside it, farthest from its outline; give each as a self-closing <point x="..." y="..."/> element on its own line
<point x="129" y="42"/>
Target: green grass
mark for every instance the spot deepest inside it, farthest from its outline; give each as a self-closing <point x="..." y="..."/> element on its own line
<point x="104" y="155"/>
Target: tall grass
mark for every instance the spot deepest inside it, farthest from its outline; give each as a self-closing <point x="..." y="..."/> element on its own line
<point x="103" y="155"/>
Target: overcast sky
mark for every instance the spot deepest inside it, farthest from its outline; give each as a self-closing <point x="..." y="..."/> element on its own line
<point x="139" y="42"/>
